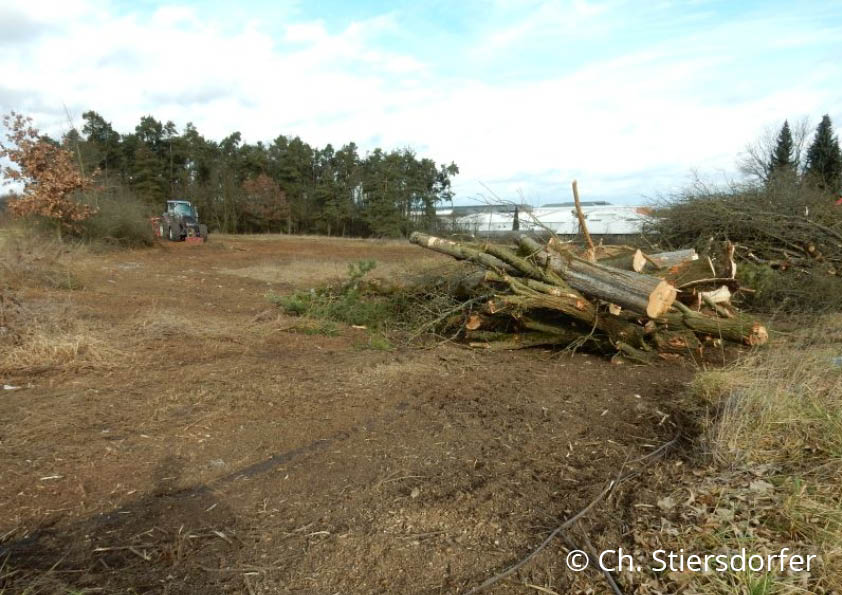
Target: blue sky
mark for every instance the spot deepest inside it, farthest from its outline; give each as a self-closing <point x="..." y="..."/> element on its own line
<point x="628" y="97"/>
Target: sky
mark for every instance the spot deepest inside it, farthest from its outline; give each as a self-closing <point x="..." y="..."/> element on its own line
<point x="632" y="98"/>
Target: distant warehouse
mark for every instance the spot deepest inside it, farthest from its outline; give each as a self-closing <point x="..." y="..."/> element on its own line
<point x="603" y="219"/>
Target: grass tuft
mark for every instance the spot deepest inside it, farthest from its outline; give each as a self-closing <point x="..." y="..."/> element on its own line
<point x="48" y="336"/>
<point x="771" y="450"/>
<point x="781" y="405"/>
<point x="28" y="258"/>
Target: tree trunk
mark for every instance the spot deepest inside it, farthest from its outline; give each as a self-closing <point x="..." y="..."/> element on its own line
<point x="666" y="260"/>
<point x="740" y="329"/>
<point x="633" y="291"/>
<point x="504" y="341"/>
<point x="461" y="252"/>
<point x="631" y="260"/>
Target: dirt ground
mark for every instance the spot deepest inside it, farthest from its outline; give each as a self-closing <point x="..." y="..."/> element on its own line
<point x="194" y="443"/>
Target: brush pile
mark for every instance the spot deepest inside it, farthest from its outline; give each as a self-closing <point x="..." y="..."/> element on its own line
<point x="612" y="299"/>
<point x="784" y="227"/>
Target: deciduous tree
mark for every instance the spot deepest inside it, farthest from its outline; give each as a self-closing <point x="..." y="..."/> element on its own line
<point x="51" y="180"/>
<point x="265" y="204"/>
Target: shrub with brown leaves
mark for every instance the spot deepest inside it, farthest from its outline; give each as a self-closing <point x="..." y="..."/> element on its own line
<point x="50" y="178"/>
<point x="266" y="203"/>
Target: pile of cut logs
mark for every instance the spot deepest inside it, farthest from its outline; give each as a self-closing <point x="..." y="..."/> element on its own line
<point x="613" y="299"/>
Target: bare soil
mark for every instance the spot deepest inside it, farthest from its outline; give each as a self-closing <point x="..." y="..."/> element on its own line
<point x="197" y="444"/>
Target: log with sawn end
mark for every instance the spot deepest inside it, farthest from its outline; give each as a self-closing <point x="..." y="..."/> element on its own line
<point x="633" y="291"/>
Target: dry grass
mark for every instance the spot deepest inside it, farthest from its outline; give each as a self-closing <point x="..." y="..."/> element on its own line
<point x="39" y="335"/>
<point x="51" y="336"/>
<point x="276" y="237"/>
<point x="771" y="454"/>
<point x="29" y="259"/>
<point x="781" y="405"/>
<point x="311" y="272"/>
<point x="299" y="273"/>
<point x="163" y="323"/>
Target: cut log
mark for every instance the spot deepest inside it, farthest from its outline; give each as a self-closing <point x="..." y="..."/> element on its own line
<point x="549" y="295"/>
<point x="467" y="286"/>
<point x="717" y="300"/>
<point x="553" y="245"/>
<point x="506" y="341"/>
<point x="540" y="286"/>
<point x="613" y="250"/>
<point x="460" y="252"/>
<point x="686" y="273"/>
<point x="676" y="341"/>
<point x="721" y="295"/>
<point x="522" y="265"/>
<point x="631" y="260"/>
<point x="740" y="328"/>
<point x="630" y="290"/>
<point x="633" y="354"/>
<point x="616" y="328"/>
<point x="666" y="260"/>
<point x="475" y="321"/>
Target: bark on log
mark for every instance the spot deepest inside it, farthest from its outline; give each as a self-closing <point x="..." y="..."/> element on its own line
<point x="633" y="291"/>
<point x="637" y="355"/>
<point x="507" y="341"/>
<point x="544" y="327"/>
<point x="609" y="251"/>
<point x="688" y="272"/>
<point x="460" y="252"/>
<point x="590" y="253"/>
<point x="522" y="265"/>
<point x="617" y="329"/>
<point x="676" y="341"/>
<point x="632" y="260"/>
<point x="547" y="295"/>
<point x="666" y="260"/>
<point x="539" y="286"/>
<point x="740" y="329"/>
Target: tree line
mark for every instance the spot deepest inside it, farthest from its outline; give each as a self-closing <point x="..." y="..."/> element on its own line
<point x="284" y="186"/>
<point x="787" y="158"/>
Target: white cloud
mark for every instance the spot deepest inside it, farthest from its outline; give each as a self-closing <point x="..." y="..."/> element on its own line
<point x="572" y="19"/>
<point x="306" y="32"/>
<point x="636" y="122"/>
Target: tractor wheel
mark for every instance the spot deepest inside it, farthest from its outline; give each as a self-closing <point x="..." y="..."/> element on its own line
<point x="170" y="235"/>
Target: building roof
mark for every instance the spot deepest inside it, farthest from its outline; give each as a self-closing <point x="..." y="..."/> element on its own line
<point x="584" y="203"/>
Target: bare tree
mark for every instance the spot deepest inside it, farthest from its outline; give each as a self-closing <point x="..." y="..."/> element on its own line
<point x="754" y="161"/>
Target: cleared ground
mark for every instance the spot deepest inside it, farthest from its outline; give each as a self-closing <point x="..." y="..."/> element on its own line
<point x="176" y="436"/>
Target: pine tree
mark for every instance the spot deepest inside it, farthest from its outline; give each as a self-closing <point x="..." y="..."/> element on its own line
<point x="148" y="177"/>
<point x="824" y="159"/>
<point x="783" y="162"/>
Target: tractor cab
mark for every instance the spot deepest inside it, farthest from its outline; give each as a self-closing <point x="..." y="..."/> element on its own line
<point x="180" y="223"/>
<point x="181" y="208"/>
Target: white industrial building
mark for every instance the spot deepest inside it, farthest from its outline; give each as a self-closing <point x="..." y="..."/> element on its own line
<point x="602" y="219"/>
